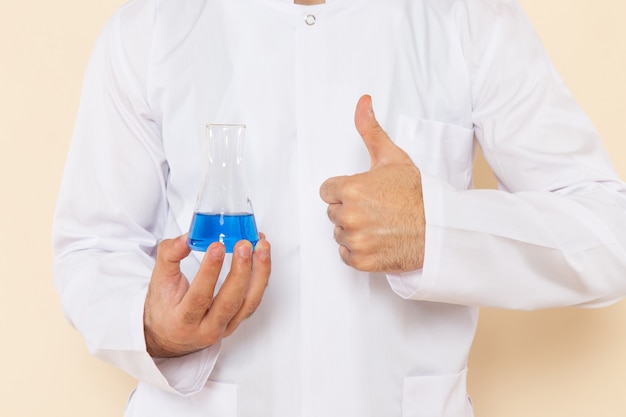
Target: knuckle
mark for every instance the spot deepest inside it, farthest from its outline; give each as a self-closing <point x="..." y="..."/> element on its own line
<point x="338" y="234"/>
<point x="364" y="264"/>
<point x="334" y="212"/>
<point x="241" y="267"/>
<point x="358" y="259"/>
<point x="354" y="191"/>
<point x="189" y="317"/>
<point x="345" y="255"/>
<point x="250" y="307"/>
<point x="352" y="219"/>
<point x="227" y="310"/>
<point x="201" y="301"/>
<point x="355" y="241"/>
<point x="329" y="212"/>
<point x="212" y="336"/>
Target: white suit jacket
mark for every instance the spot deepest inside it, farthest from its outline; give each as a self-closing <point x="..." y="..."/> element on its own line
<point x="329" y="341"/>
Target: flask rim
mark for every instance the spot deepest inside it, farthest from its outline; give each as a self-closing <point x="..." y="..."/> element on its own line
<point x="224" y="125"/>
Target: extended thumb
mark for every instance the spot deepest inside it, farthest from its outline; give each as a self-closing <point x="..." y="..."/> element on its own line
<point x="373" y="135"/>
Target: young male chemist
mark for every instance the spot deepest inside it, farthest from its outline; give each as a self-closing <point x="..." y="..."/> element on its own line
<point x="381" y="252"/>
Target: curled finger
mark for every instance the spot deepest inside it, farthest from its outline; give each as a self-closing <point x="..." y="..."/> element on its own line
<point x="338" y="235"/>
<point x="333" y="213"/>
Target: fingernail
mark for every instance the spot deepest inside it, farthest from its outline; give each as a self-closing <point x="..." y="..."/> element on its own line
<point x="264" y="253"/>
<point x="245" y="251"/>
<point x="216" y="252"/>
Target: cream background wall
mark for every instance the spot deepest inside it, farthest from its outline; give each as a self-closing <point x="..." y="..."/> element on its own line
<point x="544" y="364"/>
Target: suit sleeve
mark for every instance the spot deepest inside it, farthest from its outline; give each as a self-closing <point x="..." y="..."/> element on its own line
<point x="112" y="208"/>
<point x="554" y="234"/>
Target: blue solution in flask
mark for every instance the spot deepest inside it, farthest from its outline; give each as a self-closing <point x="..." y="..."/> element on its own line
<point x="228" y="229"/>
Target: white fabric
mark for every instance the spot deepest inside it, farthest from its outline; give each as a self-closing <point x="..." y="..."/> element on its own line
<point x="328" y="340"/>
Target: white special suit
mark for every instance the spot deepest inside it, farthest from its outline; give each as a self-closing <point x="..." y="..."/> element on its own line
<point x="329" y="341"/>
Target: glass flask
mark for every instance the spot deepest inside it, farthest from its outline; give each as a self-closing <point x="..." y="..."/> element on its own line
<point x="223" y="211"/>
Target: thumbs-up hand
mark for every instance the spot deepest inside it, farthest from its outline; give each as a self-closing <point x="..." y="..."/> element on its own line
<point x="379" y="214"/>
